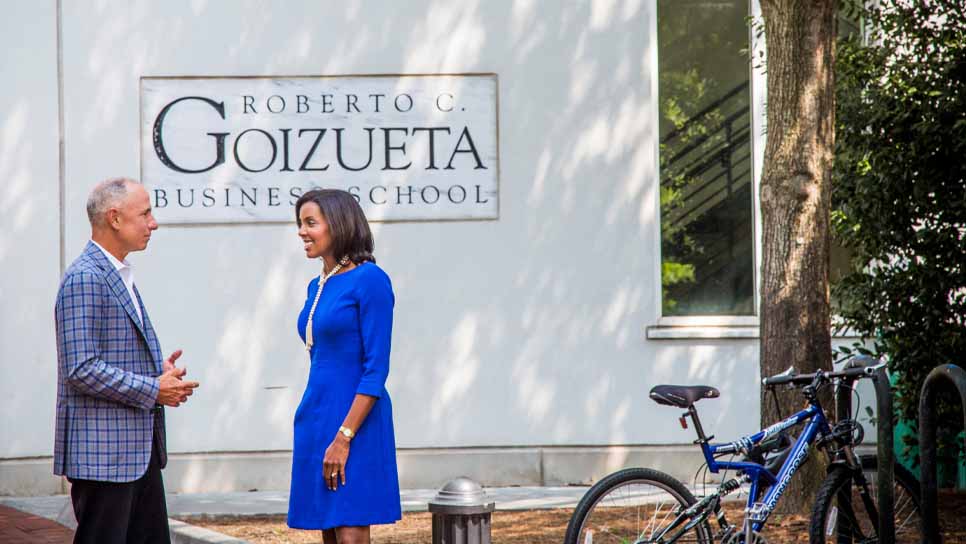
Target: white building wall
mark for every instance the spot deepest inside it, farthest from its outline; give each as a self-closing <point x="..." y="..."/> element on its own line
<point x="519" y="341"/>
<point x="29" y="239"/>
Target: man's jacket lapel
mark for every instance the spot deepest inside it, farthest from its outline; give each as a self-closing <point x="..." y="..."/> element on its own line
<point x="152" y="338"/>
<point x="117" y="286"/>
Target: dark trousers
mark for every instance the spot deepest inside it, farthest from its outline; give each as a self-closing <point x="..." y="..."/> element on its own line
<point x="122" y="513"/>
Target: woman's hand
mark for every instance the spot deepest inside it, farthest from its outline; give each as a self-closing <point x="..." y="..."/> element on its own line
<point x="333" y="465"/>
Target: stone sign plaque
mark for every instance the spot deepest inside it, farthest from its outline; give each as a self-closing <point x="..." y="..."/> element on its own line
<point x="408" y="147"/>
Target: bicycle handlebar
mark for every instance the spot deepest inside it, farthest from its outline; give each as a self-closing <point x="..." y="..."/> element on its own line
<point x="789" y="376"/>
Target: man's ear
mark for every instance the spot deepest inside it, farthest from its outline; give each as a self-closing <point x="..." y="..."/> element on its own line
<point x="113" y="217"/>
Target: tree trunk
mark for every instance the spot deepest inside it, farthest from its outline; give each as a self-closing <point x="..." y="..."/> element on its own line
<point x="795" y="195"/>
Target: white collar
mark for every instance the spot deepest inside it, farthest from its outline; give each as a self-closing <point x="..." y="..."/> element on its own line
<point x="118" y="265"/>
<point x="126" y="273"/>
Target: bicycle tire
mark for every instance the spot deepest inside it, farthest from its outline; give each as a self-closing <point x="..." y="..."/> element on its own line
<point x="597" y="496"/>
<point x="907" y="510"/>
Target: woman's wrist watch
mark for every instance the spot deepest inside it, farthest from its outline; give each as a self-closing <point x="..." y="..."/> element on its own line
<point x="347" y="432"/>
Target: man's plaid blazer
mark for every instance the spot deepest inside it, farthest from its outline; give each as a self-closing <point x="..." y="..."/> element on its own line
<point x="108" y="365"/>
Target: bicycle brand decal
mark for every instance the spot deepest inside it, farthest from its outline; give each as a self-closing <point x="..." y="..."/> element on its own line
<point x="796" y="462"/>
<point x="746" y="443"/>
<point x="779" y="427"/>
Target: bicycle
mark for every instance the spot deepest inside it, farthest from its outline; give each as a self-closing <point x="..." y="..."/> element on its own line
<point x="646" y="506"/>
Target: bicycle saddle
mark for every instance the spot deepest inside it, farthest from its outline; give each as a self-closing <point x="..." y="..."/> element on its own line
<point x="682" y="396"/>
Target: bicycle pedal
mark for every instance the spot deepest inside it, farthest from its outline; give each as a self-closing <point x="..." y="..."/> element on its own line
<point x="758" y="512"/>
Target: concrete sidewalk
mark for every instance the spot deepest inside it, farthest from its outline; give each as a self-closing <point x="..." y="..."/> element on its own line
<point x="253" y="503"/>
<point x="46" y="519"/>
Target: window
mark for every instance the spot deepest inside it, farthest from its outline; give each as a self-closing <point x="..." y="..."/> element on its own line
<point x="707" y="242"/>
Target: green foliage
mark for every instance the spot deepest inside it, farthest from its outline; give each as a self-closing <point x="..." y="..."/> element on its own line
<point x="899" y="189"/>
<point x="686" y="92"/>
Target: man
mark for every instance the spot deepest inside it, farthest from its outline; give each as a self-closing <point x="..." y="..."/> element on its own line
<point x="111" y="381"/>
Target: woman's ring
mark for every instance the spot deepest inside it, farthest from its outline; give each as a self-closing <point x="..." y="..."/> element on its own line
<point x="334" y="474"/>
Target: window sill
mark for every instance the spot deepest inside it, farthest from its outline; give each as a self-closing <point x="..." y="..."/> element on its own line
<point x="847" y="334"/>
<point x="704" y="321"/>
<point x="738" y="329"/>
<point x="699" y="332"/>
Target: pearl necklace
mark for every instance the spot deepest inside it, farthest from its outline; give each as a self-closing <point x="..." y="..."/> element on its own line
<point x="318" y="293"/>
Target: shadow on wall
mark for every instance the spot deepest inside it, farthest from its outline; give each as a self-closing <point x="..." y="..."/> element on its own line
<point x="531" y="335"/>
<point x="29" y="230"/>
<point x="28" y="222"/>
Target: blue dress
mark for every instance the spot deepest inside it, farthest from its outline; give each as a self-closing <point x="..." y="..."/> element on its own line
<point x="351" y="331"/>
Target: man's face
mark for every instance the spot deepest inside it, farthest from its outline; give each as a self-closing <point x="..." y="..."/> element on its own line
<point x="133" y="221"/>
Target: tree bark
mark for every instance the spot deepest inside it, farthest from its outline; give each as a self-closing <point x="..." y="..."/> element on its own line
<point x="795" y="195"/>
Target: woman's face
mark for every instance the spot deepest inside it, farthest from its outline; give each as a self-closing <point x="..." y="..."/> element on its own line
<point x="314" y="231"/>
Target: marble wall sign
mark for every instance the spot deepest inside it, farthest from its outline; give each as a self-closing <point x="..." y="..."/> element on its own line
<point x="229" y="150"/>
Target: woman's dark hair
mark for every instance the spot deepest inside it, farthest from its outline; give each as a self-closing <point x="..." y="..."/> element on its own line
<point x="347" y="224"/>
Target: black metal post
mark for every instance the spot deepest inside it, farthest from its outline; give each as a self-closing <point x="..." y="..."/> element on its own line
<point x="461" y="513"/>
<point x="955" y="376"/>
<point x="885" y="454"/>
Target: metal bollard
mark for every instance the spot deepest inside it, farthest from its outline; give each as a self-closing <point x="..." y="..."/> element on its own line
<point x="885" y="476"/>
<point x="461" y="514"/>
<point x="955" y="377"/>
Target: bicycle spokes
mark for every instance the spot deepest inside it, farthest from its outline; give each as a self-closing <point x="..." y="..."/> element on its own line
<point x="638" y="506"/>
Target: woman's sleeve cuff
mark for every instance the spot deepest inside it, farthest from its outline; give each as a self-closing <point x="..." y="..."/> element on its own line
<point x="371" y="389"/>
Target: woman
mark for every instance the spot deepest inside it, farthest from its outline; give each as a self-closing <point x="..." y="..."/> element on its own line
<point x="344" y="458"/>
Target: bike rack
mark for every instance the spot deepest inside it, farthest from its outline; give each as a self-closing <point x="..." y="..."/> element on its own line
<point x="885" y="476"/>
<point x="955" y="376"/>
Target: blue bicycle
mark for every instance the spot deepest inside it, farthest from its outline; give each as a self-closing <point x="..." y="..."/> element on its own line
<point x="640" y="505"/>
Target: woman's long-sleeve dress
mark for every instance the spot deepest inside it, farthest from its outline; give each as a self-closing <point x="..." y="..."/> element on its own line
<point x="352" y="329"/>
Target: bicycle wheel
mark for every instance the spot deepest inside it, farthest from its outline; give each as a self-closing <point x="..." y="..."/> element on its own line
<point x="840" y="514"/>
<point x="635" y="505"/>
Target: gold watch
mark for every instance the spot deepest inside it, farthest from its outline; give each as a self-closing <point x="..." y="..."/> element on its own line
<point x="347" y="432"/>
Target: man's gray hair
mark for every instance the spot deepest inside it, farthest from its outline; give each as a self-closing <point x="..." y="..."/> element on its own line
<point x="104" y="196"/>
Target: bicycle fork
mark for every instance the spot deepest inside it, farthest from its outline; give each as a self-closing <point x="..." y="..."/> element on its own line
<point x="858" y="480"/>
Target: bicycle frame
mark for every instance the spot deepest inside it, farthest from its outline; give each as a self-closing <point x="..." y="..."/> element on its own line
<point x="759" y="475"/>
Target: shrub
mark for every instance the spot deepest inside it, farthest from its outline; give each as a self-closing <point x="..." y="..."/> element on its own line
<point x="899" y="188"/>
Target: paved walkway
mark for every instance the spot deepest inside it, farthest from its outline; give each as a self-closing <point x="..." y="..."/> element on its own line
<point x="46" y="519"/>
<point x="39" y="514"/>
<point x="57" y="507"/>
<point x="18" y="527"/>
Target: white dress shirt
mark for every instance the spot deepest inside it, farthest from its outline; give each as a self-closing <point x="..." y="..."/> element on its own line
<point x="127" y="275"/>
